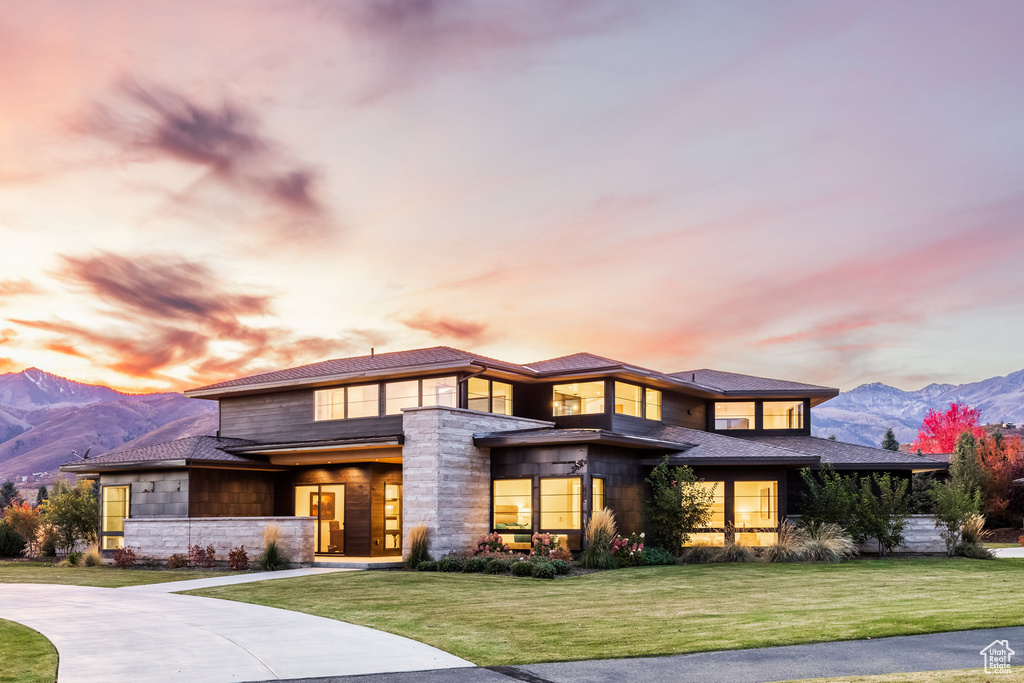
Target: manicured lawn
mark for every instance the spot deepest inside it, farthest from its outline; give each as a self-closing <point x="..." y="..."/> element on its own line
<point x="493" y="620"/>
<point x="25" y="655"/>
<point x="1002" y="545"/>
<point x="1016" y="675"/>
<point x="103" y="577"/>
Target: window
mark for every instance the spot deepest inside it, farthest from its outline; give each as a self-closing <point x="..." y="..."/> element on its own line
<point x="734" y="415"/>
<point x="581" y="398"/>
<point x="560" y="503"/>
<point x="398" y="395"/>
<point x="115" y="510"/>
<point x="347" y="402"/>
<point x="717" y="488"/>
<point x="715" y="538"/>
<point x="756" y="504"/>
<point x="440" y="391"/>
<point x="628" y="399"/>
<point x="653" y="411"/>
<point x="757" y="539"/>
<point x="513" y="504"/>
<point x="597" y="494"/>
<point x="436" y="391"/>
<point x="489" y="396"/>
<point x="783" y="414"/>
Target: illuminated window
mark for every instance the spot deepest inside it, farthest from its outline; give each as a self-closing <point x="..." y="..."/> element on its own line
<point x="560" y="503"/>
<point x="628" y="399"/>
<point x="115" y="510"/>
<point x="436" y="391"/>
<point x="715" y="538"/>
<point x="783" y="414"/>
<point x="717" y="488"/>
<point x="653" y="411"/>
<point x="347" y="402"/>
<point x="757" y="539"/>
<point x="597" y="494"/>
<point x="440" y="391"/>
<point x="513" y="504"/>
<point x="489" y="396"/>
<point x="581" y="398"/>
<point x="756" y="504"/>
<point x="398" y="395"/>
<point x="734" y="415"/>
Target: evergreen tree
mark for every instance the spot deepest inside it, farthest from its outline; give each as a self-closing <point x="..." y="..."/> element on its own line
<point x="8" y="494"/>
<point x="43" y="494"/>
<point x="965" y="466"/>
<point x="889" y="441"/>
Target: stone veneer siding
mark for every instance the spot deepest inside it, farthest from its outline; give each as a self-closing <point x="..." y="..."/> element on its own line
<point x="159" y="538"/>
<point x="920" y="536"/>
<point x="446" y="480"/>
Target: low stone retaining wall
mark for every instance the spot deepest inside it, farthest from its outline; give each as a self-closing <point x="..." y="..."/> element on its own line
<point x="920" y="536"/>
<point x="157" y="538"/>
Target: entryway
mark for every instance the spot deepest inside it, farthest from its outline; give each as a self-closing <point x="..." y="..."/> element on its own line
<point x="326" y="502"/>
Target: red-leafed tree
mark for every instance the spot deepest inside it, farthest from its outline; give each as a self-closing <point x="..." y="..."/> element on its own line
<point x="940" y="430"/>
<point x="1002" y="460"/>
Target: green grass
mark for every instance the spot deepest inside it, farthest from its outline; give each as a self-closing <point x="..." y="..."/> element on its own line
<point x="25" y="655"/>
<point x="102" y="577"/>
<point x="492" y="620"/>
<point x="1016" y="675"/>
<point x="1002" y="545"/>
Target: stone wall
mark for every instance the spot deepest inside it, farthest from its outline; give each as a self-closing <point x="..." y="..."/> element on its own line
<point x="920" y="536"/>
<point x="446" y="480"/>
<point x="159" y="538"/>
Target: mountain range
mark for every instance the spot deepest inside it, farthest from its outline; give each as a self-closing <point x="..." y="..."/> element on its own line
<point x="863" y="414"/>
<point x="44" y="418"/>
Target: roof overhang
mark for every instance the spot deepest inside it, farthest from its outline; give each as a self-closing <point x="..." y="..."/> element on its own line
<point x="319" y="446"/>
<point x="784" y="461"/>
<point x="170" y="464"/>
<point x="545" y="437"/>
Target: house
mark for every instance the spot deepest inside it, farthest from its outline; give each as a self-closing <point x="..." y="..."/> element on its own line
<point x="347" y="455"/>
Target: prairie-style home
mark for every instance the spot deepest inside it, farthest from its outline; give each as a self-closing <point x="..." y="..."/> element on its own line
<point x="346" y="455"/>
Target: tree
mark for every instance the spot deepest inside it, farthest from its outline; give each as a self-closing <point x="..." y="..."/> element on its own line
<point x="678" y="505"/>
<point x="43" y="493"/>
<point x="24" y="519"/>
<point x="965" y="467"/>
<point x="885" y="515"/>
<point x="889" y="441"/>
<point x="952" y="504"/>
<point x="940" y="430"/>
<point x="1002" y="461"/>
<point x="833" y="498"/>
<point x="73" y="514"/>
<point x="8" y="494"/>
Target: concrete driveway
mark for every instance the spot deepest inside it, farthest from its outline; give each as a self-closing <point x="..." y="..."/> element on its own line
<point x="143" y="634"/>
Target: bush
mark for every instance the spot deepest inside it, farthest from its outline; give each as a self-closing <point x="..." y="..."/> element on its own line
<point x="23" y="520"/>
<point x="199" y="556"/>
<point x="522" y="569"/>
<point x="498" y="565"/>
<point x="475" y="565"/>
<point x="678" y="505"/>
<point x="418" y="536"/>
<point x="973" y="530"/>
<point x="93" y="557"/>
<point x="427" y="566"/>
<point x="238" y="559"/>
<point x="560" y="553"/>
<point x="953" y="505"/>
<point x="177" y="561"/>
<point x="788" y="548"/>
<point x="599" y="534"/>
<point x="124" y="558"/>
<point x="628" y="552"/>
<point x="11" y="542"/>
<point x="491" y="544"/>
<point x="562" y="567"/>
<point x="700" y="553"/>
<point x="272" y="559"/>
<point x="827" y="543"/>
<point x="657" y="556"/>
<point x="543" y="570"/>
<point x="974" y="551"/>
<point x="733" y="552"/>
<point x="74" y="558"/>
<point x="451" y="563"/>
<point x="48" y="545"/>
<point x="543" y="545"/>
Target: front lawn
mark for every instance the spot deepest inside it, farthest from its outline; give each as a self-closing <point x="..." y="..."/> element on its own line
<point x="1016" y="675"/>
<point x="26" y="656"/>
<point x="102" y="577"/>
<point x="493" y="620"/>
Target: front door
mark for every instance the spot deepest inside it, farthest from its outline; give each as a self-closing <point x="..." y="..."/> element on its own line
<point x="326" y="502"/>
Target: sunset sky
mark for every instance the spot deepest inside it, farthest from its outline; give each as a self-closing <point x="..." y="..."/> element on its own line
<point x="826" y="192"/>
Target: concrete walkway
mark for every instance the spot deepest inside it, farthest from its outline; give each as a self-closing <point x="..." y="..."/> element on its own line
<point x="147" y="634"/>
<point x="230" y="580"/>
<point x="1008" y="552"/>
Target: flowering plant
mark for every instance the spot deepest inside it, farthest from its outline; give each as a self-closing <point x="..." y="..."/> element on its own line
<point x="491" y="544"/>
<point x="628" y="552"/>
<point x="544" y="544"/>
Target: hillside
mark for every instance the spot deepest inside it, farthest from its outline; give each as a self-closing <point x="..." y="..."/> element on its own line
<point x="43" y="418"/>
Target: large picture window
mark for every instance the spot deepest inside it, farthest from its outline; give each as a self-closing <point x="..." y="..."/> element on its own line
<point x="435" y="391"/>
<point x="756" y="504"/>
<point x="560" y="503"/>
<point x="347" y="402"/>
<point x="653" y="408"/>
<point x="513" y="504"/>
<point x="783" y="414"/>
<point x="629" y="399"/>
<point x="735" y="415"/>
<point x="115" y="510"/>
<point x="717" y="489"/>
<point x="580" y="398"/>
<point x="489" y="396"/>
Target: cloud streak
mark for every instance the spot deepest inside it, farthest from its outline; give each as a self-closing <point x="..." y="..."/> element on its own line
<point x="447" y="328"/>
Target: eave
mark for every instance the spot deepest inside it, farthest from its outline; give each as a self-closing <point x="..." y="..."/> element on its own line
<point x="543" y="437"/>
<point x="366" y="443"/>
<point x="706" y="460"/>
<point x="170" y="464"/>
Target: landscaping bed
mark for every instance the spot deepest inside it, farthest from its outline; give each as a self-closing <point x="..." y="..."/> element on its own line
<point x="21" y="571"/>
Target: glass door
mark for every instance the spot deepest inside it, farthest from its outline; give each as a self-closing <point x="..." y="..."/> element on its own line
<point x="393" y="517"/>
<point x="326" y="502"/>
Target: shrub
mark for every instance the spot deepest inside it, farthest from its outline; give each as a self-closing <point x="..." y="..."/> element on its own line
<point x="562" y="567"/>
<point x="177" y="561"/>
<point x="599" y="534"/>
<point x="124" y="558"/>
<point x="700" y="553"/>
<point x="734" y="552"/>
<point x="491" y="544"/>
<point x="24" y="521"/>
<point x="953" y="505"/>
<point x="199" y="556"/>
<point x="74" y="558"/>
<point x="974" y="551"/>
<point x="93" y="557"/>
<point x="1020" y="539"/>
<point x="657" y="556"/>
<point x="522" y="569"/>
<point x="238" y="559"/>
<point x="450" y="563"/>
<point x="11" y="542"/>
<point x="973" y="530"/>
<point x="475" y="565"/>
<point x="271" y="559"/>
<point x="498" y="565"/>
<point x="427" y="566"/>
<point x="628" y="552"/>
<point x="827" y="543"/>
<point x="543" y="570"/>
<point x="48" y="544"/>
<point x="72" y="512"/>
<point x="677" y="506"/>
<point x="789" y="547"/>
<point x="418" y="536"/>
<point x="543" y="545"/>
<point x="560" y="553"/>
<point x="884" y="516"/>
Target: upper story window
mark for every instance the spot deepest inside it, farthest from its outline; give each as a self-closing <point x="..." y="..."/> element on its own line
<point x="637" y="401"/>
<point x="489" y="396"/>
<point x="435" y="391"/>
<point x="735" y="415"/>
<point x="783" y="414"/>
<point x="580" y="398"/>
<point x="348" y="402"/>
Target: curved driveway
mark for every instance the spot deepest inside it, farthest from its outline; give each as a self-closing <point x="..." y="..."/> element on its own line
<point x="143" y="634"/>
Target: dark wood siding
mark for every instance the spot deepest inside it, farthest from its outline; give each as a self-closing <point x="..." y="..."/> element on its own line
<point x="288" y="416"/>
<point x="683" y="411"/>
<point x="230" y="493"/>
<point x="381" y="474"/>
